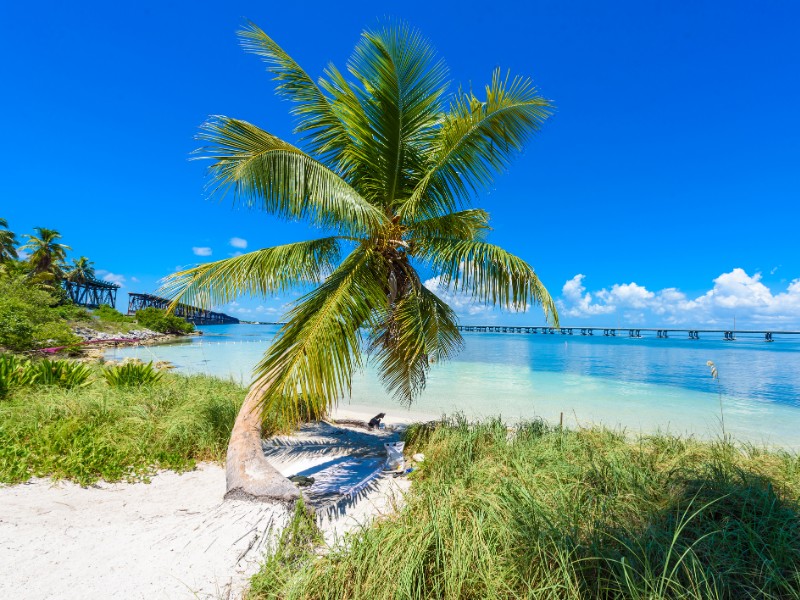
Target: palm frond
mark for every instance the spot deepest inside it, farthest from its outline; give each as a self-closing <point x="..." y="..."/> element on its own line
<point x="266" y="172"/>
<point x="470" y="224"/>
<point x="258" y="273"/>
<point x="403" y="85"/>
<point x="323" y="132"/>
<point x="309" y="367"/>
<point x="477" y="140"/>
<point x="355" y="161"/>
<point x="488" y="273"/>
<point x="8" y="242"/>
<point x="409" y="336"/>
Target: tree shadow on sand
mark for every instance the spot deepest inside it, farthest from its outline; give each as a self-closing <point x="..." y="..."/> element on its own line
<point x="345" y="463"/>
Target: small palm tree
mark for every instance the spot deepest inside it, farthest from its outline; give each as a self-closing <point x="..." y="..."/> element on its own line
<point x="47" y="256"/>
<point x="8" y="243"/>
<point x="81" y="271"/>
<point x="388" y="166"/>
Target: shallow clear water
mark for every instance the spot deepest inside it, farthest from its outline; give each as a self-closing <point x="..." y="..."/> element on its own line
<point x="642" y="385"/>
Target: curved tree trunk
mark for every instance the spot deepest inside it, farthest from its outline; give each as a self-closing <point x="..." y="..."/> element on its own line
<point x="248" y="474"/>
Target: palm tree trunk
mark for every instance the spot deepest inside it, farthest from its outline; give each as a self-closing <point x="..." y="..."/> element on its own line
<point x="248" y="473"/>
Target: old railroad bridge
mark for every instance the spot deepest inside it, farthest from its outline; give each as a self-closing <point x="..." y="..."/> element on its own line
<point x="692" y="334"/>
<point x="193" y="314"/>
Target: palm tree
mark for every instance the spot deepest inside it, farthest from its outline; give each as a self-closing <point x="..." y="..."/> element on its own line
<point x="81" y="271"/>
<point x="47" y="256"/>
<point x="388" y="167"/>
<point x="8" y="243"/>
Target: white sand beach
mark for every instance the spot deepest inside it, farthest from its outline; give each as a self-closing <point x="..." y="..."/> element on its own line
<point x="175" y="537"/>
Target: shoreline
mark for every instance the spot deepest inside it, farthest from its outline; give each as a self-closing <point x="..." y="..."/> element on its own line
<point x="100" y="346"/>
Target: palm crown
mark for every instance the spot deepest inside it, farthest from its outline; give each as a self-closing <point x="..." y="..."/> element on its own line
<point x="388" y="168"/>
<point x="8" y="242"/>
<point x="81" y="270"/>
<point x="47" y="255"/>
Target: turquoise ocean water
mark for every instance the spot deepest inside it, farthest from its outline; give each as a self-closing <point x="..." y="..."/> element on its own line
<point x="641" y="385"/>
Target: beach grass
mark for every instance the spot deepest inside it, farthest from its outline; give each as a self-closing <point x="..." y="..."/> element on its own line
<point x="117" y="433"/>
<point x="550" y="513"/>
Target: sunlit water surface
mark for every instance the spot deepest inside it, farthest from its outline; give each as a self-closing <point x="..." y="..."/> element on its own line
<point x="641" y="385"/>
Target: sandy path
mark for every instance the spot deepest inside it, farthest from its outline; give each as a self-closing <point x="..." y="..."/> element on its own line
<point x="171" y="538"/>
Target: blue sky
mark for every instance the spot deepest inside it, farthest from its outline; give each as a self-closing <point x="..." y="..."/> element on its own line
<point x="664" y="189"/>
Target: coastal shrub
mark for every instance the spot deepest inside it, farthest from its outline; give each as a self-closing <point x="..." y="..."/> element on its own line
<point x="158" y="320"/>
<point x="131" y="374"/>
<point x="62" y="373"/>
<point x="16" y="330"/>
<point x="55" y="334"/>
<point x="73" y="312"/>
<point x="14" y="372"/>
<point x="551" y="513"/>
<point x="30" y="317"/>
<point x="108" y="314"/>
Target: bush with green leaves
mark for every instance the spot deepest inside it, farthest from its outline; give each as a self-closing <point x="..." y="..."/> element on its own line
<point x="131" y="374"/>
<point x="73" y="312"/>
<point x="158" y="320"/>
<point x="65" y="374"/>
<point x="30" y="317"/>
<point x="110" y="315"/>
<point x="14" y="372"/>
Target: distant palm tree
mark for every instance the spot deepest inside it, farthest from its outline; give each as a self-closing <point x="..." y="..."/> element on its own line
<point x="8" y="243"/>
<point x="47" y="256"/>
<point x="389" y="167"/>
<point x="81" y="271"/>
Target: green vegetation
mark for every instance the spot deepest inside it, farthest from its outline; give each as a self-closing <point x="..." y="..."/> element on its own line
<point x="8" y="243"/>
<point x="14" y="372"/>
<point x="389" y="166"/>
<point x="117" y="433"/>
<point x="294" y="550"/>
<point x="35" y="311"/>
<point x="551" y="513"/>
<point x="30" y="317"/>
<point x="47" y="256"/>
<point x="111" y="315"/>
<point x="131" y="375"/>
<point x="62" y="373"/>
<point x="158" y="320"/>
<point x="81" y="270"/>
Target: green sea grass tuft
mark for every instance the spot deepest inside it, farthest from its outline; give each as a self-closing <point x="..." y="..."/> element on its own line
<point x="117" y="433"/>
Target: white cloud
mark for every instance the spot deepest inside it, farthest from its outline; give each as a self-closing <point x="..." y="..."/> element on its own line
<point x="580" y="302"/>
<point x="737" y="289"/>
<point x="134" y="280"/>
<point x="201" y="250"/>
<point x="238" y="242"/>
<point x="627" y="294"/>
<point x="111" y="277"/>
<point x="735" y="293"/>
